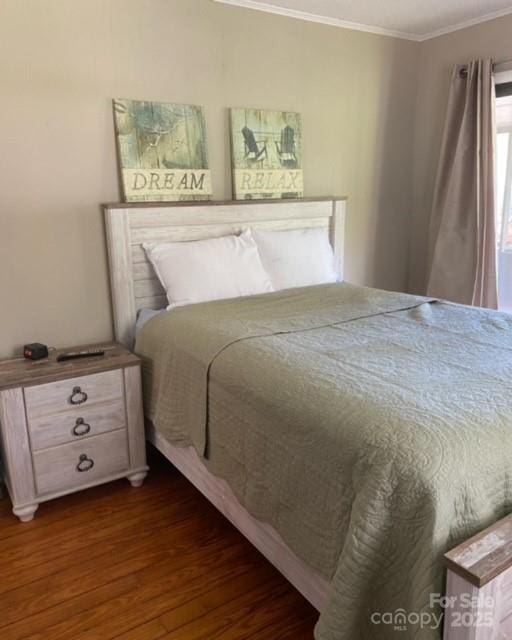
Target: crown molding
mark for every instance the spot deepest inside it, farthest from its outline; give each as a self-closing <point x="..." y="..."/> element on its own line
<point x="465" y="24"/>
<point x="312" y="17"/>
<point x="356" y="26"/>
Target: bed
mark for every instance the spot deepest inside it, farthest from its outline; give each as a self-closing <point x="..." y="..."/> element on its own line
<point x="392" y="502"/>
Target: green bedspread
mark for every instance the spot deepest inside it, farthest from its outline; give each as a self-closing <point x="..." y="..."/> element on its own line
<point x="371" y="429"/>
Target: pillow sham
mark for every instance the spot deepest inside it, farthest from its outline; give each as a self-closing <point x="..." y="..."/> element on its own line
<point x="296" y="258"/>
<point x="211" y="269"/>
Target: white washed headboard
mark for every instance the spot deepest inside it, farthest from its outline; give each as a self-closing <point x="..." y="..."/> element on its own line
<point x="133" y="282"/>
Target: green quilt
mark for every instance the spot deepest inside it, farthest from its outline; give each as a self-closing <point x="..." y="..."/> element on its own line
<point x="371" y="429"/>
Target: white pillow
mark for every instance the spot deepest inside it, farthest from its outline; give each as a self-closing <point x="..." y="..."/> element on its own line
<point x="211" y="269"/>
<point x="296" y="258"/>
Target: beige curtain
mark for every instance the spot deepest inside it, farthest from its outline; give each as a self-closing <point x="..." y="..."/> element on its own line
<point x="462" y="239"/>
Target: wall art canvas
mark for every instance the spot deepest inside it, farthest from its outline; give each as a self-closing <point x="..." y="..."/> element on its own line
<point x="266" y="154"/>
<point x="162" y="151"/>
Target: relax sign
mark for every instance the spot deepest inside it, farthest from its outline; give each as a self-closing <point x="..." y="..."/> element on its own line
<point x="266" y="153"/>
<point x="159" y="183"/>
<point x="268" y="182"/>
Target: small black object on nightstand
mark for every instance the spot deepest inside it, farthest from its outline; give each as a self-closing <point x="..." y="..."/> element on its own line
<point x="35" y="351"/>
<point x="75" y="355"/>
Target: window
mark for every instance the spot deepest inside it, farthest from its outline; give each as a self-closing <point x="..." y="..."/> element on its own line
<point x="504" y="193"/>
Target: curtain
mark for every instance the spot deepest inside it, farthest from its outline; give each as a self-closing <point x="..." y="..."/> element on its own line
<point x="462" y="237"/>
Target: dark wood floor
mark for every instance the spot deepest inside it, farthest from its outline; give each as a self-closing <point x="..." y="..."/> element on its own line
<point x="140" y="564"/>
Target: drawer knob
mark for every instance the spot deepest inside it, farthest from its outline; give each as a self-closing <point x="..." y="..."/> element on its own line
<point x="78" y="396"/>
<point x="84" y="463"/>
<point x="81" y="428"/>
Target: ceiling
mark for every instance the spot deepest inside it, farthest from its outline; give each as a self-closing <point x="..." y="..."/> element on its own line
<point x="410" y="19"/>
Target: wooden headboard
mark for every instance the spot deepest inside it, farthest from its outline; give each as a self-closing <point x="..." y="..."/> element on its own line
<point x="133" y="283"/>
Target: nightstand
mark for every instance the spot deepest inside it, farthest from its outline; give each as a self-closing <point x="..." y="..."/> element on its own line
<point x="67" y="426"/>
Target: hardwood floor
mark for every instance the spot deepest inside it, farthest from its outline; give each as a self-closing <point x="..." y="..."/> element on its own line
<point x="157" y="562"/>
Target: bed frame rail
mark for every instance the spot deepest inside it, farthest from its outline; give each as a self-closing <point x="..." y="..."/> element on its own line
<point x="314" y="587"/>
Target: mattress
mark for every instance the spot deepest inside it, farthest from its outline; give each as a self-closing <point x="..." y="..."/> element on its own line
<point x="371" y="429"/>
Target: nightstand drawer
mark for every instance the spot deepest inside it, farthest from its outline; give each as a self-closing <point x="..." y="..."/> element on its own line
<point x="76" y="424"/>
<point x="81" y="463"/>
<point x="69" y="394"/>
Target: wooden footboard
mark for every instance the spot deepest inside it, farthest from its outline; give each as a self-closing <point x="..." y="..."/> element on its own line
<point x="479" y="586"/>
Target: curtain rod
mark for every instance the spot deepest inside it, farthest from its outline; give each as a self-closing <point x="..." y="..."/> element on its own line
<point x="497" y="67"/>
<point x="504" y="65"/>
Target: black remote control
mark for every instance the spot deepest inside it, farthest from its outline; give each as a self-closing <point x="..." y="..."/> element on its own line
<point x="74" y="355"/>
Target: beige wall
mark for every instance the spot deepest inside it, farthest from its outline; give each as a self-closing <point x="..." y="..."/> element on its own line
<point x="436" y="58"/>
<point x="61" y="62"/>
